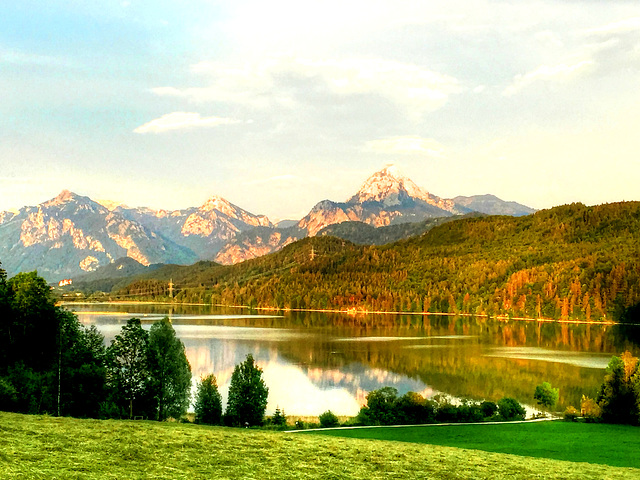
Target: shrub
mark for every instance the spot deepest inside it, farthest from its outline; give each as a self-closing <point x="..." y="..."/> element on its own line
<point x="489" y="409"/>
<point x="413" y="409"/>
<point x="470" y="413"/>
<point x="8" y="396"/>
<point x="447" y="413"/>
<point x="329" y="420"/>
<point x="589" y="409"/>
<point x="510" y="410"/>
<point x="571" y="414"/>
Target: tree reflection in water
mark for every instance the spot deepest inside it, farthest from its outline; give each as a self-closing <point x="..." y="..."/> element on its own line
<point x="314" y="361"/>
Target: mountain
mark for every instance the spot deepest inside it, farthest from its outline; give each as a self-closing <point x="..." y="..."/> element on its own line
<point x="386" y="198"/>
<point x="204" y="230"/>
<point x="72" y="234"/>
<point x="492" y="205"/>
<point x="569" y="262"/>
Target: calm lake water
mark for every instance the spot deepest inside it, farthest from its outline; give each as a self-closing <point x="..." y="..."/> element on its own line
<point x="314" y="362"/>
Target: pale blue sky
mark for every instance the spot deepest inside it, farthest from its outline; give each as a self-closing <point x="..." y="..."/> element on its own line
<point x="278" y="105"/>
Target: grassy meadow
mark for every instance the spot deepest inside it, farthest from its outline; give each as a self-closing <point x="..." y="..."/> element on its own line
<point x="614" y="445"/>
<point x="41" y="447"/>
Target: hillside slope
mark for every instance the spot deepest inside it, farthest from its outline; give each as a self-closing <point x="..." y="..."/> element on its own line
<point x="572" y="261"/>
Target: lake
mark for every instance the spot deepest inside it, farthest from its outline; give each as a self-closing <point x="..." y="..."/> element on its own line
<point x="314" y="362"/>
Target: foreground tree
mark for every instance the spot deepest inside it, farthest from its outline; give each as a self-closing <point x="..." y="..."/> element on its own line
<point x="32" y="326"/>
<point x="208" y="405"/>
<point x="169" y="371"/>
<point x="247" y="395"/>
<point x="380" y="408"/>
<point x="545" y="395"/>
<point x="127" y="360"/>
<point x="49" y="362"/>
<point x="619" y="396"/>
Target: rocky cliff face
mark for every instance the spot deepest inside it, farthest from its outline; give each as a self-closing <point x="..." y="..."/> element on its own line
<point x="72" y="234"/>
<point x="385" y="198"/>
<point x="204" y="230"/>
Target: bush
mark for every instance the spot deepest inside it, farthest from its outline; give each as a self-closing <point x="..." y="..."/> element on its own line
<point x="510" y="410"/>
<point x="8" y="396"/>
<point x="571" y="414"/>
<point x="413" y="409"/>
<point x="589" y="409"/>
<point x="489" y="409"/>
<point x="470" y="413"/>
<point x="329" y="420"/>
<point x="447" y="413"/>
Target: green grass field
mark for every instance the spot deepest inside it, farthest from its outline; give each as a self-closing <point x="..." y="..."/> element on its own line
<point x="615" y="445"/>
<point x="33" y="447"/>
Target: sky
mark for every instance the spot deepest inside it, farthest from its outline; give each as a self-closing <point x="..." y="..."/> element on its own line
<point x="278" y="105"/>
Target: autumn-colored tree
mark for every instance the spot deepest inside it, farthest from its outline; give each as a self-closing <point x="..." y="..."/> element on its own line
<point x="618" y="397"/>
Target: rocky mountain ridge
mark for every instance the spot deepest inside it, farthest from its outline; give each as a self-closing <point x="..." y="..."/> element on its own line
<point x="386" y="198"/>
<point x="72" y="234"/>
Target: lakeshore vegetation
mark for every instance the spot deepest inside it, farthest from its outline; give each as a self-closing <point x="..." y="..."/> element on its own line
<point x="567" y="263"/>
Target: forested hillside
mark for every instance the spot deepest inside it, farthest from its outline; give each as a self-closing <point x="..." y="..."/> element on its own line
<point x="569" y="262"/>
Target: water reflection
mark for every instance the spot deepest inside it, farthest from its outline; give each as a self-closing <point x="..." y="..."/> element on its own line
<point x="313" y="362"/>
<point x="580" y="359"/>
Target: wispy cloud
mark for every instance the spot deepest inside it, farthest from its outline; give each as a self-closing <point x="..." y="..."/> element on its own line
<point x="547" y="73"/>
<point x="279" y="80"/>
<point x="14" y="57"/>
<point x="622" y="26"/>
<point x="407" y="145"/>
<point x="182" y="121"/>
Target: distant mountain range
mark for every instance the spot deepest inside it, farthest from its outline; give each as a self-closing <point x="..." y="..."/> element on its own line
<point x="71" y="235"/>
<point x="386" y="198"/>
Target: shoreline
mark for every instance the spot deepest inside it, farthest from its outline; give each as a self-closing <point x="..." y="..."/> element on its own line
<point x="358" y="312"/>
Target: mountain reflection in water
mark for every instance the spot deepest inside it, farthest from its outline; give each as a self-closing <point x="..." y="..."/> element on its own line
<point x="315" y="362"/>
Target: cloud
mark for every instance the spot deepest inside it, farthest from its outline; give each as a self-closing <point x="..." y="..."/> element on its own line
<point x="289" y="81"/>
<point x="546" y="73"/>
<point x="182" y="121"/>
<point x="622" y="26"/>
<point x="407" y="145"/>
